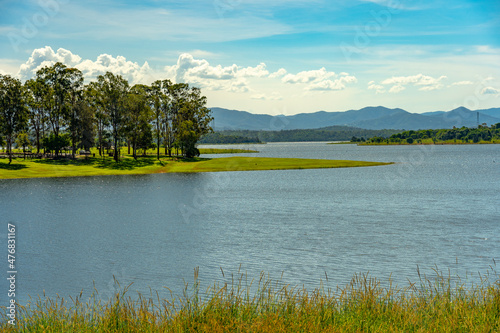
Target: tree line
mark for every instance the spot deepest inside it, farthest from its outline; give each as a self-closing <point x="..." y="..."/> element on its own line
<point x="55" y="109"/>
<point x="331" y="133"/>
<point x="464" y="134"/>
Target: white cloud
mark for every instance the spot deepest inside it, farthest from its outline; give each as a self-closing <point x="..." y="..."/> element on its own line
<point x="191" y="69"/>
<point x="338" y="84"/>
<point x="428" y="83"/>
<point x="462" y="83"/>
<point x="320" y="79"/>
<point x="119" y="65"/>
<point x="46" y="57"/>
<point x="258" y="71"/>
<point x="490" y="91"/>
<point x="279" y="73"/>
<point x="273" y="97"/>
<point x="379" y="89"/>
<point x="308" y="76"/>
<point x="397" y="88"/>
<point x="188" y="68"/>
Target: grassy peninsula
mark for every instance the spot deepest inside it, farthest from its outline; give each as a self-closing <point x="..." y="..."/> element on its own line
<point x="440" y="304"/>
<point x="38" y="168"/>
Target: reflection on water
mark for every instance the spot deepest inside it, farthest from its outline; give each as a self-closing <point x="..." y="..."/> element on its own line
<point x="437" y="206"/>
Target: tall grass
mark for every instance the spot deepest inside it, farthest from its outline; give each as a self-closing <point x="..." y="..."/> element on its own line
<point x="439" y="304"/>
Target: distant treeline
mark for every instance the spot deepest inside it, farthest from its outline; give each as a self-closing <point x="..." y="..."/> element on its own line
<point x="463" y="135"/>
<point x="223" y="138"/>
<point x="332" y="133"/>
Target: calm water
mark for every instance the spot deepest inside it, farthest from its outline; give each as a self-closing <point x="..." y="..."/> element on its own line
<point x="437" y="206"/>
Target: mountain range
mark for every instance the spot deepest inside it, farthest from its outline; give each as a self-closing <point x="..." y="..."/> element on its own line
<point x="378" y="117"/>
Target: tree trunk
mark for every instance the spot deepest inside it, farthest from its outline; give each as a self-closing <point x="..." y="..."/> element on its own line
<point x="116" y="149"/>
<point x="9" y="148"/>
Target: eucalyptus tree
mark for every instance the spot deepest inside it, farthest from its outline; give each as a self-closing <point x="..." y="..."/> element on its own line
<point x="138" y="116"/>
<point x="86" y="120"/>
<point x="112" y="93"/>
<point x="36" y="94"/>
<point x="159" y="94"/>
<point x="75" y="105"/>
<point x="64" y="85"/>
<point x="92" y="95"/>
<point x="13" y="109"/>
<point x="179" y="93"/>
<point x="192" y="118"/>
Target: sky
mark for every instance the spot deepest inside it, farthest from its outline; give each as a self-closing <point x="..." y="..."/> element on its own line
<point x="271" y="57"/>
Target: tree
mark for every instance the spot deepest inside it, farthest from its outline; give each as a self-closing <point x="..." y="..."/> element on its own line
<point x="113" y="91"/>
<point x="138" y="116"/>
<point x="75" y="104"/>
<point x="85" y="130"/>
<point x="13" y="109"/>
<point x="62" y="83"/>
<point x="160" y="105"/>
<point x="36" y="92"/>
<point x="193" y="119"/>
<point x="92" y="96"/>
<point x="23" y="140"/>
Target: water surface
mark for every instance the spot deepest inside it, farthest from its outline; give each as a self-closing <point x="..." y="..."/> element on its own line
<point x="437" y="206"/>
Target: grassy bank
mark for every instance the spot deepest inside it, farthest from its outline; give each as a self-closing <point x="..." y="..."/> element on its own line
<point x="38" y="168"/>
<point x="364" y="305"/>
<point x="226" y="151"/>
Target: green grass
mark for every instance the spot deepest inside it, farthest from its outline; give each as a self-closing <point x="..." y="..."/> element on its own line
<point x="38" y="168"/>
<point x="440" y="304"/>
<point x="226" y="151"/>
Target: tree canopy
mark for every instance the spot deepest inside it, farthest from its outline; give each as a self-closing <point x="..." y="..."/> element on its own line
<point x="55" y="110"/>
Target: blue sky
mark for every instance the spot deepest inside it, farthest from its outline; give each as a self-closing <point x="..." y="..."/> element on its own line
<point x="274" y="57"/>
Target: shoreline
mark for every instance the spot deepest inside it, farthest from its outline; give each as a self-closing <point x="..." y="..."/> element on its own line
<point x="21" y="169"/>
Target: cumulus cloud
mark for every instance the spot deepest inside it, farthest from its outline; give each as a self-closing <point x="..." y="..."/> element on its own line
<point x="462" y="83"/>
<point x="397" y="88"/>
<point x="258" y="71"/>
<point x="279" y="73"/>
<point x="273" y="97"/>
<point x="320" y="79"/>
<point x="308" y="76"/>
<point x="379" y="89"/>
<point x="399" y="83"/>
<point x="202" y="73"/>
<point x="190" y="69"/>
<point x="337" y="84"/>
<point x="46" y="57"/>
<point x="490" y="91"/>
<point x="119" y="65"/>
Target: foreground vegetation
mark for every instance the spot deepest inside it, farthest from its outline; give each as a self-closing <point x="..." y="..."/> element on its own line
<point x="95" y="166"/>
<point x="440" y="304"/>
<point x="464" y="135"/>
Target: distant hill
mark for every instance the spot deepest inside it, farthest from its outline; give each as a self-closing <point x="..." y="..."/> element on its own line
<point x="374" y="118"/>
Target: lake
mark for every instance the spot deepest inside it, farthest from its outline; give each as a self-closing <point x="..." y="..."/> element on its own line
<point x="437" y="207"/>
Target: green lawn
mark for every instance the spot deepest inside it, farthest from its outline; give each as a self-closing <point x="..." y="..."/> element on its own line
<point x="38" y="168"/>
